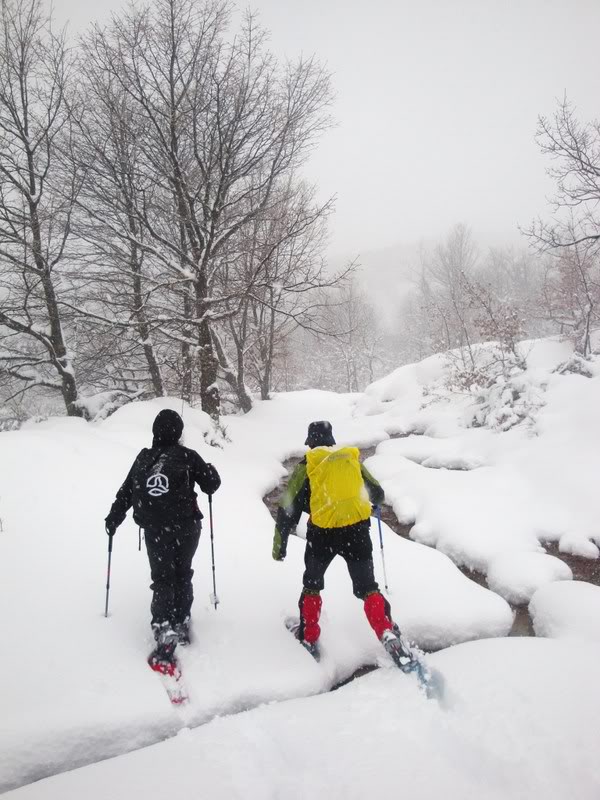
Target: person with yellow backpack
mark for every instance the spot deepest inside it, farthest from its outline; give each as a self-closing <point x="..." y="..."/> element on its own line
<point x="338" y="493"/>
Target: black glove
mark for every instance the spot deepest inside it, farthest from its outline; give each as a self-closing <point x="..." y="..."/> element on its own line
<point x="213" y="479"/>
<point x="110" y="525"/>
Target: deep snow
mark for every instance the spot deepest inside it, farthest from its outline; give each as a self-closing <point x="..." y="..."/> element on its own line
<point x="522" y="725"/>
<point x="88" y="692"/>
<point x="74" y="688"/>
<point x="567" y="611"/>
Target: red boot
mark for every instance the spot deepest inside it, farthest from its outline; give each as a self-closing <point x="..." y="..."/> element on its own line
<point x="310" y="611"/>
<point x="378" y="613"/>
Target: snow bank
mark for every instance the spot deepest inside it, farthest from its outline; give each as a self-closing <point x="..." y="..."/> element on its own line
<point x="517" y="576"/>
<point x="435" y="604"/>
<point x="520" y="726"/>
<point x="476" y="493"/>
<point x="567" y="610"/>
<point x="578" y="545"/>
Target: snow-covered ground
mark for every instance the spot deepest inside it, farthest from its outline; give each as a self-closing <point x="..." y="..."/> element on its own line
<point x="74" y="688"/>
<point x="521" y="726"/>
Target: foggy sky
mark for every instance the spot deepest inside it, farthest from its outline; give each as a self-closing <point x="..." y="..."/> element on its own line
<point x="437" y="102"/>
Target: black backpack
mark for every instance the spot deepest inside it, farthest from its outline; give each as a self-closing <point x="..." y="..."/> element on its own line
<point x="163" y="490"/>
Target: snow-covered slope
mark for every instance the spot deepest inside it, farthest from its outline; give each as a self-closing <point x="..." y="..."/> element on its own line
<point x="479" y="494"/>
<point x="523" y="724"/>
<point x="74" y="687"/>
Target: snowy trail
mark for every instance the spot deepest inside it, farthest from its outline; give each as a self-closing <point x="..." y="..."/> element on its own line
<point x="90" y="694"/>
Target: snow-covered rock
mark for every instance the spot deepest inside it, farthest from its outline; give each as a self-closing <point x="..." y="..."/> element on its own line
<point x="578" y="545"/>
<point x="517" y="576"/>
<point x="567" y="610"/>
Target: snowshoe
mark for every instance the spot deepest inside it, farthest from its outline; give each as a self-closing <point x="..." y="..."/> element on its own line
<point x="162" y="661"/>
<point x="398" y="650"/>
<point x="430" y="680"/>
<point x="182" y="630"/>
<point x="293" y="626"/>
<point x="162" y="658"/>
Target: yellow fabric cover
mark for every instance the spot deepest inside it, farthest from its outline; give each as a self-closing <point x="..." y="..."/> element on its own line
<point x="338" y="495"/>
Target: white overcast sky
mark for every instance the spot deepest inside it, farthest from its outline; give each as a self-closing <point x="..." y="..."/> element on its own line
<point x="436" y="106"/>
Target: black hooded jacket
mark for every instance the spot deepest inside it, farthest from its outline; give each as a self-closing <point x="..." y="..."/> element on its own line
<point x="160" y="484"/>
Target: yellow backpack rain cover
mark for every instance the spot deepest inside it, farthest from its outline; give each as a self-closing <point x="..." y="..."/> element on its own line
<point x="338" y="495"/>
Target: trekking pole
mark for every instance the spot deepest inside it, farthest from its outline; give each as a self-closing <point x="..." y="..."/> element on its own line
<point x="213" y="598"/>
<point x="110" y="542"/>
<point x="381" y="545"/>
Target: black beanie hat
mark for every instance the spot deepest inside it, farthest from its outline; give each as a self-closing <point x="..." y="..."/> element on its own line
<point x="167" y="427"/>
<point x="320" y="434"/>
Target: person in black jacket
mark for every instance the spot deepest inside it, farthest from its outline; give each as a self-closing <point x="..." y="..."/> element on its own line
<point x="160" y="487"/>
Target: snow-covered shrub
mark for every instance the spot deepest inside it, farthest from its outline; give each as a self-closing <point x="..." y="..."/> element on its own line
<point x="495" y="378"/>
<point x="100" y="406"/>
<point x="9" y="423"/>
<point x="577" y="365"/>
<point x="217" y="436"/>
<point x="509" y="401"/>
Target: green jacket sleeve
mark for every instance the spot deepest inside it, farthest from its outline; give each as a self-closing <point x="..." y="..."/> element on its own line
<point x="294" y="501"/>
<point x="376" y="493"/>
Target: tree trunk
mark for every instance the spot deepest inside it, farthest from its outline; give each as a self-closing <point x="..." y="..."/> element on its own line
<point x="187" y="356"/>
<point x="140" y="312"/>
<point x="144" y="333"/>
<point x="209" y="391"/>
<point x="210" y="400"/>
<point x="265" y="384"/>
<point x="58" y="350"/>
<point x="244" y="398"/>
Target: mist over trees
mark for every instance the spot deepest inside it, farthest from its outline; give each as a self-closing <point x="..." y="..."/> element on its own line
<point x="157" y="236"/>
<point x="461" y="296"/>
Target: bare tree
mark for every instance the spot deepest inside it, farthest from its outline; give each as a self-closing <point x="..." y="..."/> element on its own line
<point x="346" y="352"/>
<point x="36" y="201"/>
<point x="461" y="300"/>
<point x="571" y="293"/>
<point x="120" y="271"/>
<point x="277" y="270"/>
<point x="574" y="150"/>
<point x="572" y="286"/>
<point x="444" y="299"/>
<point x="222" y="124"/>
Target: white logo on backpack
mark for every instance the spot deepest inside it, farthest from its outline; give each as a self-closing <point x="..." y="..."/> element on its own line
<point x="157" y="484"/>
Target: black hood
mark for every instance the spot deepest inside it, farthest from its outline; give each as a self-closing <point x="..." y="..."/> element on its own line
<point x="167" y="428"/>
<point x="320" y="434"/>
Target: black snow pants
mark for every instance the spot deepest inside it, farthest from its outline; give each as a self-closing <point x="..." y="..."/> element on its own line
<point x="353" y="544"/>
<point x="170" y="552"/>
